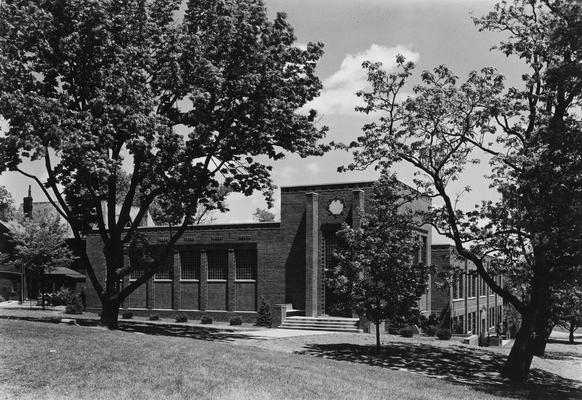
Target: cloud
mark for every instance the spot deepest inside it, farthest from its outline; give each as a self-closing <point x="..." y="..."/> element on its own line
<point x="314" y="168"/>
<point x="339" y="90"/>
<point x="302" y="46"/>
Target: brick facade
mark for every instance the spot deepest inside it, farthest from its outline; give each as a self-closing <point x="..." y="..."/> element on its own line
<point x="474" y="308"/>
<point x="290" y="258"/>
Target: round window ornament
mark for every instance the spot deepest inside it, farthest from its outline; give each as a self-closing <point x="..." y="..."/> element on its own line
<point x="335" y="207"/>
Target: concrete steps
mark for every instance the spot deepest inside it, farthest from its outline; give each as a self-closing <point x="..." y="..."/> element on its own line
<point x="334" y="324"/>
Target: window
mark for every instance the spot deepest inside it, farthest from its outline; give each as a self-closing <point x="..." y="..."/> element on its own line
<point x="473" y="286"/>
<point x="190" y="265"/>
<point x="167" y="272"/>
<point x="246" y="264"/>
<point x="462" y="286"/>
<point x="136" y="273"/>
<point x="217" y="264"/>
<point x="455" y="288"/>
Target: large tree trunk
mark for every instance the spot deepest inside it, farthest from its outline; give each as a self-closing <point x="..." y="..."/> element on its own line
<point x="110" y="313"/>
<point x="541" y="339"/>
<point x="572" y="329"/>
<point x="518" y="362"/>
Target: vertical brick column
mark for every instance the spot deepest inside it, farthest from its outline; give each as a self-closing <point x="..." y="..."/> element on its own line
<point x="231" y="284"/>
<point x="357" y="208"/>
<point x="312" y="284"/>
<point x="125" y="283"/>
<point x="177" y="268"/>
<point x="465" y="282"/>
<point x="150" y="296"/>
<point x="478" y="313"/>
<point x="203" y="280"/>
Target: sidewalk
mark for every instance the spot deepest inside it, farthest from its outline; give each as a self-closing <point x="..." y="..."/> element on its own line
<point x="14" y="310"/>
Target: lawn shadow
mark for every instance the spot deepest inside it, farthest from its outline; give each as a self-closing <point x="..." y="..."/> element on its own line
<point x="183" y="331"/>
<point x="469" y="366"/>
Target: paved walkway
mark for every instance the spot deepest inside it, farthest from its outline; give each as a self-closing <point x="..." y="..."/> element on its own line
<point x="26" y="311"/>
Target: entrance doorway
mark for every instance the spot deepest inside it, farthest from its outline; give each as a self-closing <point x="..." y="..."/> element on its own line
<point x="330" y="301"/>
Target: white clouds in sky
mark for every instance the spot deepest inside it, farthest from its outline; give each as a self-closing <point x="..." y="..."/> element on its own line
<point x="339" y="90"/>
<point x="314" y="168"/>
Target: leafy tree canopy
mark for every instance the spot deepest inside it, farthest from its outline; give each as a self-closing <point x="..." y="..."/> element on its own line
<point x="379" y="273"/>
<point x="262" y="215"/>
<point x="184" y="107"/>
<point x="533" y="134"/>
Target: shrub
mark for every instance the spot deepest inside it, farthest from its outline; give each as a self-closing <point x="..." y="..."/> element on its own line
<point x="154" y="317"/>
<point x="181" y="318"/>
<point x="407" y="332"/>
<point x="430" y="330"/>
<point x="236" y="321"/>
<point x="205" y="320"/>
<point x="458" y="328"/>
<point x="127" y="315"/>
<point x="264" y="317"/>
<point x="484" y="341"/>
<point x="444" y="334"/>
<point x="75" y="306"/>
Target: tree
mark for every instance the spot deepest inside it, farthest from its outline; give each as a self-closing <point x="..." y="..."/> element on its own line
<point x="376" y="273"/>
<point x="567" y="308"/>
<point x="534" y="139"/>
<point x="6" y="204"/>
<point x="40" y="246"/>
<point x="262" y="215"/>
<point x="182" y="106"/>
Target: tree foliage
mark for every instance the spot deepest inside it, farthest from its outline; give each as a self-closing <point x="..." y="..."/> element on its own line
<point x="533" y="134"/>
<point x="40" y="245"/>
<point x="183" y="106"/>
<point x="6" y="204"/>
<point x="262" y="215"/>
<point x="377" y="274"/>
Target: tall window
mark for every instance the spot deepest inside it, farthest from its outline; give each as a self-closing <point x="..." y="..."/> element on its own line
<point x="246" y="264"/>
<point x="455" y="288"/>
<point x="167" y="272"/>
<point x="190" y="265"/>
<point x="136" y="273"/>
<point x="217" y="264"/>
<point x="462" y="286"/>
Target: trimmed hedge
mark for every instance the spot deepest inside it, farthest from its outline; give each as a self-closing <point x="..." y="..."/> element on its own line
<point x="407" y="332"/>
<point x="444" y="334"/>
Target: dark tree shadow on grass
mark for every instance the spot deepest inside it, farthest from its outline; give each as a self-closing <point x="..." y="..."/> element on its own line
<point x="469" y="366"/>
<point x="183" y="331"/>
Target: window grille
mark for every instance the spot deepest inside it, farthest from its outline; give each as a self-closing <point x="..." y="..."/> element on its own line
<point x="217" y="264"/>
<point x="246" y="264"/>
<point x="136" y="273"/>
<point x="462" y="286"/>
<point x="330" y="243"/>
<point x="190" y="265"/>
<point x="167" y="273"/>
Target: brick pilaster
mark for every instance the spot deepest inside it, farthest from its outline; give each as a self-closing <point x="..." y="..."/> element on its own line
<point x="177" y="268"/>
<point x="312" y="282"/>
<point x="357" y="208"/>
<point x="231" y="284"/>
<point x="203" y="280"/>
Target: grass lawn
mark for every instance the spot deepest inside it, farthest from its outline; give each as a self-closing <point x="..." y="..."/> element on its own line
<point x="49" y="361"/>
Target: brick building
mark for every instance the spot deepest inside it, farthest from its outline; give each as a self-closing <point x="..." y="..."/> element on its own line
<point x="224" y="270"/>
<point x="474" y="308"/>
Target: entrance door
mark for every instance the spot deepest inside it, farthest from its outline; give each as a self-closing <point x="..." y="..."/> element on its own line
<point x="329" y="299"/>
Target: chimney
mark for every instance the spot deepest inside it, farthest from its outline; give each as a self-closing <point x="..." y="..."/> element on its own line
<point x="27" y="205"/>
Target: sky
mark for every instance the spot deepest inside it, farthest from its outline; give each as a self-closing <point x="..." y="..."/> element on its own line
<point x="428" y="32"/>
